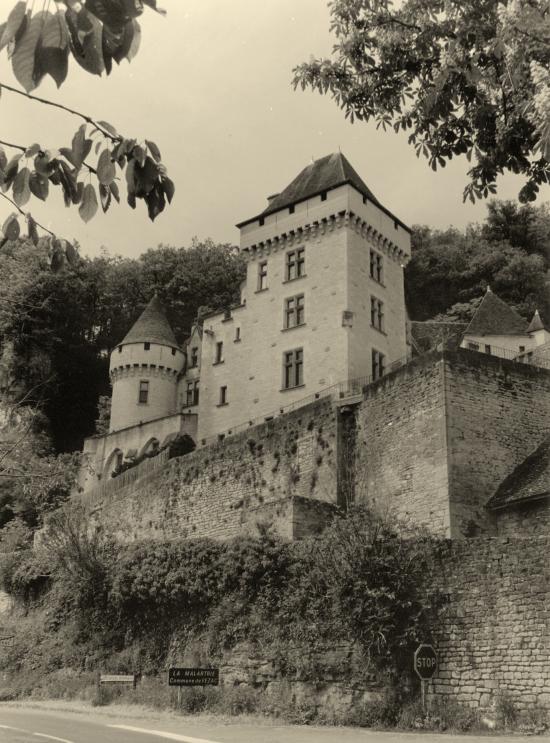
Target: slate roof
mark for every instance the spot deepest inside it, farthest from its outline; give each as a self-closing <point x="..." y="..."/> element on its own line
<point x="153" y="326"/>
<point x="324" y="174"/>
<point x="536" y="323"/>
<point x="495" y="317"/>
<point x="427" y="335"/>
<point x="530" y="480"/>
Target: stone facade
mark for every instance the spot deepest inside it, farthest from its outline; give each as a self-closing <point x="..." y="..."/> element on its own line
<point x="283" y="473"/>
<point x="494" y="637"/>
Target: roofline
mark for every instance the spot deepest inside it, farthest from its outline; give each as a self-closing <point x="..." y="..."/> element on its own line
<point x="177" y="346"/>
<point x="517" y="501"/>
<point x="346" y="182"/>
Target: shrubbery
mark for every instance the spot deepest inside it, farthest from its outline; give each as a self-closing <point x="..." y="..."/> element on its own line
<point x="360" y="583"/>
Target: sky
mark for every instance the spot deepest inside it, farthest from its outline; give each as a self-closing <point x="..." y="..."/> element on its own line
<point x="211" y="85"/>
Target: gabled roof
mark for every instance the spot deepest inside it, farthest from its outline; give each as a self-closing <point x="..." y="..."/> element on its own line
<point x="152" y="326"/>
<point x="428" y="334"/>
<point x="495" y="317"/>
<point x="324" y="174"/>
<point x="530" y="480"/>
<point x="536" y="323"/>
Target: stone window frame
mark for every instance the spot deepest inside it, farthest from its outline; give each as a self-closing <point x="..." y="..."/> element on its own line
<point x="294" y="311"/>
<point x="293" y="369"/>
<point x="143" y="391"/>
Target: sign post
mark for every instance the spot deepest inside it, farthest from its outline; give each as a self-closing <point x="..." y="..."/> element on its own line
<point x="425" y="665"/>
<point x="193" y="677"/>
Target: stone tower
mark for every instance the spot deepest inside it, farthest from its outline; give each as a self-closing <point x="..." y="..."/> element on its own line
<point x="144" y="370"/>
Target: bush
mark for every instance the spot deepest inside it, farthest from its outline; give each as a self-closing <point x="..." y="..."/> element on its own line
<point x="505" y="710"/>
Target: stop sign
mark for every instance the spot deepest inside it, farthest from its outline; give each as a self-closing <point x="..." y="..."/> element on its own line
<point x="425" y="661"/>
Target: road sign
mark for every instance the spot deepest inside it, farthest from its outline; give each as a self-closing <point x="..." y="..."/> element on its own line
<point x="193" y="676"/>
<point x="425" y="661"/>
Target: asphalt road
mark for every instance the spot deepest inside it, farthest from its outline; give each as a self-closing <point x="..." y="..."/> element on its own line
<point x="24" y="725"/>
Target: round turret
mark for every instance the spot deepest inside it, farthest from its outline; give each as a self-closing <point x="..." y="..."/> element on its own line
<point x="144" y="370"/>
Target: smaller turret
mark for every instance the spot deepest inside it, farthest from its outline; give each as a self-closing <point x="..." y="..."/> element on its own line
<point x="537" y="330"/>
<point x="144" y="370"/>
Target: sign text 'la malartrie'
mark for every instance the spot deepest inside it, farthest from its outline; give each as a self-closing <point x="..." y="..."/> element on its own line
<point x="193" y="676"/>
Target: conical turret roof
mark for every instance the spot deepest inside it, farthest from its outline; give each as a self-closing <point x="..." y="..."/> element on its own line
<point x="152" y="326"/>
<point x="536" y="323"/>
<point x="495" y="317"/>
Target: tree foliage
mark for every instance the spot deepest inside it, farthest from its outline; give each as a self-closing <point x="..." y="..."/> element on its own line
<point x="451" y="269"/>
<point x="57" y="328"/>
<point x="88" y="171"/>
<point x="461" y="78"/>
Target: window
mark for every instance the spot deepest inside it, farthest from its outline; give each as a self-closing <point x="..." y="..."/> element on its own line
<point x="293" y="368"/>
<point x="173" y="352"/>
<point x="295" y="264"/>
<point x="261" y="221"/>
<point x="219" y="353"/>
<point x="147" y="346"/>
<point x="120" y="349"/>
<point x="237" y="334"/>
<point x="487" y="349"/>
<point x="376" y="266"/>
<point x="324" y="196"/>
<point x="473" y="346"/>
<point x="192" y="394"/>
<point x="294" y="311"/>
<point x="194" y="357"/>
<point x="291" y="209"/>
<point x="522" y="349"/>
<point x="223" y="396"/>
<point x="143" y="391"/>
<point x="377" y="314"/>
<point x="378" y="364"/>
<point x="262" y="276"/>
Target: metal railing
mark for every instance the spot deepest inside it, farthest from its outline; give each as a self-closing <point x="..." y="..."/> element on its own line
<point x="529" y="356"/>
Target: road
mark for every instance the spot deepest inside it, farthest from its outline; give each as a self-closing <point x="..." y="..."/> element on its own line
<point x="27" y="725"/>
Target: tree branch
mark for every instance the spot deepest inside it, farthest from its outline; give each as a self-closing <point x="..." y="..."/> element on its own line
<point x="26" y="214"/>
<point x="15" y="146"/>
<point x="85" y="117"/>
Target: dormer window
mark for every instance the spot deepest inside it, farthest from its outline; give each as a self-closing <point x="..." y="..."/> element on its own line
<point x="194" y="357"/>
<point x="147" y="346"/>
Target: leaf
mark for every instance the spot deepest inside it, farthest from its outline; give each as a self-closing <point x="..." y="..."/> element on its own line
<point x="43" y="163"/>
<point x="80" y="146"/>
<point x="53" y="62"/>
<point x="169" y="188"/>
<point x="39" y="186"/>
<point x="105" y="168"/>
<point x="15" y="20"/>
<point x="71" y="253"/>
<point x="108" y="127"/>
<point x="11" y="171"/>
<point x="32" y="231"/>
<point x="21" y="189"/>
<point x="33" y="150"/>
<point x="85" y="34"/>
<point x="153" y="4"/>
<point x="114" y="190"/>
<point x="139" y="154"/>
<point x="104" y="196"/>
<point x="11" y="228"/>
<point x="153" y="149"/>
<point x="58" y="258"/>
<point x="146" y="177"/>
<point x="88" y="206"/>
<point x="128" y="46"/>
<point x="3" y="159"/>
<point x="23" y="62"/>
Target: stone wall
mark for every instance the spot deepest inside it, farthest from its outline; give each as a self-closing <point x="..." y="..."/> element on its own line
<point x="498" y="412"/>
<point x="494" y="634"/>
<point x="282" y="472"/>
<point x="435" y="438"/>
<point x="401" y="448"/>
